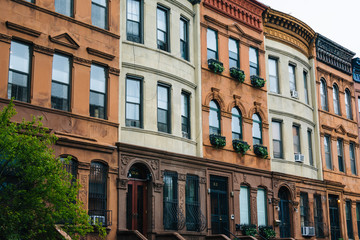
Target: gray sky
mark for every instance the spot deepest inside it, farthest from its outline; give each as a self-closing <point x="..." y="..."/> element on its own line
<point x="336" y="20"/>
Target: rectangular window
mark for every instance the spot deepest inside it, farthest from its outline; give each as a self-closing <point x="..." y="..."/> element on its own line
<point x="327" y="149"/>
<point x="60" y="85"/>
<point x="133" y="102"/>
<point x="306" y="91"/>
<point x="163" y="29"/>
<point x="233" y="53"/>
<point x="273" y="75"/>
<point x="304" y="210"/>
<point x="349" y="223"/>
<point x="310" y="148"/>
<point x="244" y="205"/>
<point x="296" y="139"/>
<point x="211" y="41"/>
<point x="193" y="212"/>
<point x="99" y="13"/>
<point x="185" y="114"/>
<point x="318" y="216"/>
<point x="358" y="217"/>
<point x="170" y="201"/>
<point x="261" y="207"/>
<point x="98" y="87"/>
<point x="352" y="158"/>
<point x="19" y="72"/>
<point x="163" y="108"/>
<point x="134" y="21"/>
<point x="277" y="139"/>
<point x="184" y="38"/>
<point x="340" y="154"/>
<point x="292" y="79"/>
<point x="64" y="7"/>
<point x="254" y="62"/>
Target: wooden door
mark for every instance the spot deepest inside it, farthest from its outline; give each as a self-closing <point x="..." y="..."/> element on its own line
<point x="137" y="206"/>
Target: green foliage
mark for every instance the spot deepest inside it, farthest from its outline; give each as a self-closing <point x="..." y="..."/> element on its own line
<point x="36" y="192"/>
<point x="240" y="146"/>
<point x="217" y="140"/>
<point x="257" y="82"/>
<point x="267" y="232"/>
<point x="249" y="230"/>
<point x="261" y="151"/>
<point x="237" y="74"/>
<point x="215" y="66"/>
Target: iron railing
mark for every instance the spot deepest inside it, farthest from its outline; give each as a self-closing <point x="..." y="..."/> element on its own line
<point x="174" y="218"/>
<point x="195" y="219"/>
<point x="102" y="217"/>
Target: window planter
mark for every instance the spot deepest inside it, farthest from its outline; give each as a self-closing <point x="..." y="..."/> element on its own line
<point x="257" y="81"/>
<point x="260" y="150"/>
<point x="217" y="141"/>
<point x="237" y="74"/>
<point x="216" y="66"/>
<point x="248" y="230"/>
<point x="267" y="232"/>
<point x="240" y="146"/>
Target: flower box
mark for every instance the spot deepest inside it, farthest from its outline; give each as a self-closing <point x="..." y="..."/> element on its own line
<point x="267" y="232"/>
<point x="240" y="146"/>
<point x="260" y="150"/>
<point x="257" y="81"/>
<point x="248" y="229"/>
<point x="217" y="141"/>
<point x="216" y="66"/>
<point x="237" y="74"/>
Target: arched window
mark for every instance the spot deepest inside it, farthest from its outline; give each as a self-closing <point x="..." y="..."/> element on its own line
<point x="336" y="99"/>
<point x="348" y="104"/>
<point x="323" y="94"/>
<point x="214" y="118"/>
<point x="257" y="129"/>
<point x="97" y="193"/>
<point x="236" y="124"/>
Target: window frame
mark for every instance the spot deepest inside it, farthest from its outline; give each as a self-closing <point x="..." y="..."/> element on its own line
<point x="336" y="100"/>
<point x="277" y="140"/>
<point x="207" y="44"/>
<point x="218" y="114"/>
<point x="265" y="206"/>
<point x="324" y="95"/>
<point x="340" y="154"/>
<point x="97" y="92"/>
<point x="168" y="114"/>
<point x="106" y="20"/>
<point x="252" y="64"/>
<point x="297" y="130"/>
<point x="327" y="138"/>
<point x="352" y="156"/>
<point x="293" y="67"/>
<point x="306" y="89"/>
<point x="237" y="53"/>
<point x="140" y="105"/>
<point x="167" y="30"/>
<point x="141" y="23"/>
<point x="240" y="123"/>
<point x="188" y="118"/>
<point x="348" y="105"/>
<point x="186" y="22"/>
<point x="71" y="9"/>
<point x="28" y="74"/>
<point x="243" y="210"/>
<point x="260" y="126"/>
<point x="273" y="78"/>
<point x="310" y="147"/>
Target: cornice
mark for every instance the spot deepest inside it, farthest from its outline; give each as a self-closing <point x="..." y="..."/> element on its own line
<point x="288" y="29"/>
<point x="101" y="54"/>
<point x="22" y="29"/>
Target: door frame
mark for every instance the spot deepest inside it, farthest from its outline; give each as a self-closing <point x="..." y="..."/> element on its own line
<point x="227" y="200"/>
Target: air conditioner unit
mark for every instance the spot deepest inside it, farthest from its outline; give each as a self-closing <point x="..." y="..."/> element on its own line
<point x="294" y="94"/>
<point x="299" y="157"/>
<point x="308" y="231"/>
<point x="185" y="135"/>
<point x="97" y="219"/>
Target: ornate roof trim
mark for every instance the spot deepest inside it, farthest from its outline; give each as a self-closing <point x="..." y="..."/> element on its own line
<point x="333" y="54"/>
<point x="286" y="28"/>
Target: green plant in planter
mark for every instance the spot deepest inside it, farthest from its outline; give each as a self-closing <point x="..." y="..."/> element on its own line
<point x="240" y="146"/>
<point x="260" y="151"/>
<point x="249" y="230"/>
<point x="237" y="74"/>
<point x="267" y="232"/>
<point x="217" y="140"/>
<point x="215" y="65"/>
<point x="257" y="81"/>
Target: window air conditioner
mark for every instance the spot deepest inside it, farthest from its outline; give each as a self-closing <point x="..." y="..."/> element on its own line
<point x="308" y="231"/>
<point x="294" y="94"/>
<point x="299" y="157"/>
<point x="99" y="219"/>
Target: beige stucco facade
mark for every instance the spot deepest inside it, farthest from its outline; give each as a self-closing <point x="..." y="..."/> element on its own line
<point x="155" y="66"/>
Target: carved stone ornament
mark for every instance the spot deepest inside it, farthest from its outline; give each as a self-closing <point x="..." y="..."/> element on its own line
<point x="202" y="180"/>
<point x="65" y="40"/>
<point x="83" y="192"/>
<point x="126" y="159"/>
<point x="82" y="61"/>
<point x="122" y="183"/>
<point x="158" y="186"/>
<point x="275" y="201"/>
<point x="22" y="29"/>
<point x="44" y="50"/>
<point x="182" y="177"/>
<point x="114" y="71"/>
<point x="101" y="54"/>
<point x="5" y="38"/>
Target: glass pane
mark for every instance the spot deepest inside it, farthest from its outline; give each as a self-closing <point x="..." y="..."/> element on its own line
<point x="17" y="86"/>
<point x="161" y="19"/>
<point x="306" y="88"/>
<point x="235" y="123"/>
<point x="336" y="100"/>
<point x="97" y="99"/>
<point x="261" y="207"/>
<point x="214" y="118"/>
<point x="97" y="78"/>
<point x="296" y="139"/>
<point x="184" y="105"/>
<point x="162" y="116"/>
<point x="133" y="10"/>
<point x="163" y="97"/>
<point x="98" y="16"/>
<point x="183" y="28"/>
<point x="292" y="77"/>
<point x="256" y="130"/>
<point x="19" y="57"/>
<point x="256" y="117"/>
<point x="100" y="2"/>
<point x="244" y="206"/>
<point x="233" y="47"/>
<point x="61" y="69"/>
<point x="64" y="7"/>
<point x="133" y="91"/>
<point x="253" y="58"/>
<point x="211" y="40"/>
<point x="276" y="130"/>
<point x="132" y="111"/>
<point x="59" y="96"/>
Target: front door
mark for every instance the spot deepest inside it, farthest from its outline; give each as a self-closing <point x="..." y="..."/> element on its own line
<point x="219" y="205"/>
<point x="137" y="206"/>
<point x="334" y="217"/>
<point x="284" y="214"/>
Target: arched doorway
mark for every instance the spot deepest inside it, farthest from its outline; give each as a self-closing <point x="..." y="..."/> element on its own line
<point x="284" y="213"/>
<point x="137" y="198"/>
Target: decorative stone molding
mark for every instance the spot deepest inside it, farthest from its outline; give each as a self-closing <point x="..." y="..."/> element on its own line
<point x="5" y="38"/>
<point x="83" y="192"/>
<point x="82" y="61"/>
<point x="237" y="103"/>
<point x="114" y="71"/>
<point x="215" y="95"/>
<point x="181" y="177"/>
<point x="340" y="129"/>
<point x="22" y="29"/>
<point x="158" y="186"/>
<point x="65" y="40"/>
<point x="127" y="161"/>
<point x="101" y="54"/>
<point x="203" y="180"/>
<point x="121" y="183"/>
<point x="44" y="50"/>
<point x="84" y="166"/>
